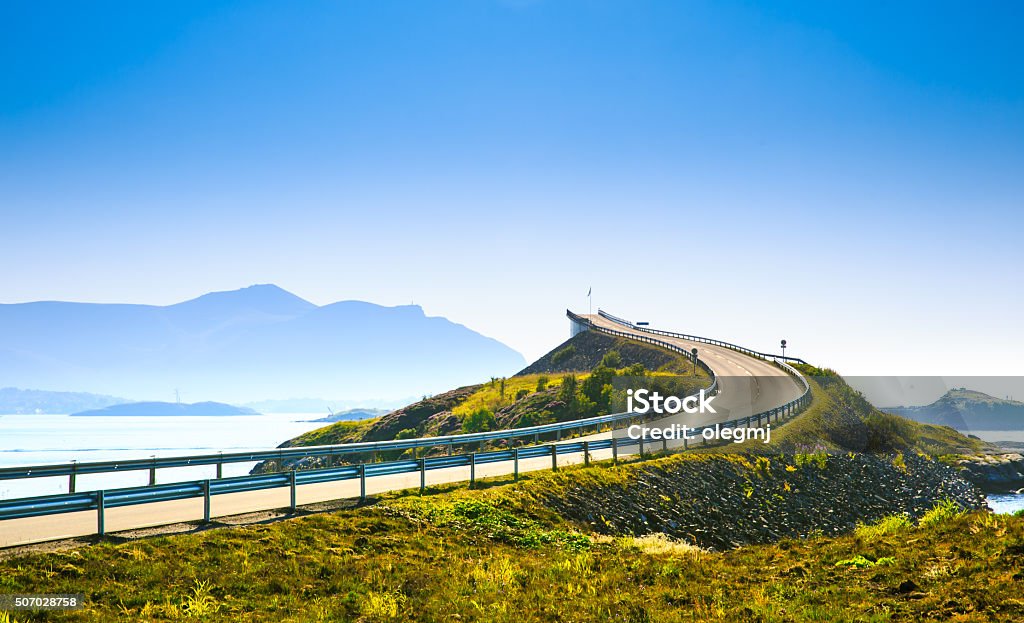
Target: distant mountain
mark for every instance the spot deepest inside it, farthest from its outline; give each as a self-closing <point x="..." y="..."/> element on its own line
<point x="352" y="414"/>
<point x="246" y="345"/>
<point x="163" y="409"/>
<point x="13" y="400"/>
<point x="319" y="405"/>
<point x="967" y="410"/>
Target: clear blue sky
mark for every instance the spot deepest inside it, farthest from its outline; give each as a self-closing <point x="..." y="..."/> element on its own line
<point x="849" y="176"/>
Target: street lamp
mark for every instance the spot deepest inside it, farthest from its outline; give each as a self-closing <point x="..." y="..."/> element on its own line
<point x="783" y="349"/>
<point x="694" y="353"/>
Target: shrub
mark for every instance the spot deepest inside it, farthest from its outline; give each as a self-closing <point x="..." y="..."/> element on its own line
<point x="612" y="359"/>
<point x="564" y="354"/>
<point x="942" y="512"/>
<point x="890" y="524"/>
<point x="479" y="421"/>
<point x="382" y="606"/>
<point x="542" y="383"/>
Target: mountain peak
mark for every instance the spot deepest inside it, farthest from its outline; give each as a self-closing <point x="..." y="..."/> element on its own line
<point x="265" y="297"/>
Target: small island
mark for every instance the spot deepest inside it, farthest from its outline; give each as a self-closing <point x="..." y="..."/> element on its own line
<point x="164" y="409"/>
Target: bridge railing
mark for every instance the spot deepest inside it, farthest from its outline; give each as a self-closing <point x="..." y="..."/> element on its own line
<point x="696" y="338"/>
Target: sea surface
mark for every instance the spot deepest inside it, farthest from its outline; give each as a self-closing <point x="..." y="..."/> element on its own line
<point x="44" y="439"/>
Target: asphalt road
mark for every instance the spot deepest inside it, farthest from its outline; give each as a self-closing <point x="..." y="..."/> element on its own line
<point x="747" y="386"/>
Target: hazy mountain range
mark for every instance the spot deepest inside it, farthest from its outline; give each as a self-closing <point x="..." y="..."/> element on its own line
<point x="967" y="410"/>
<point x="254" y="344"/>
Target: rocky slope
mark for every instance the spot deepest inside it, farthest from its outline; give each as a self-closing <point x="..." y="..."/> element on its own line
<point x="721" y="502"/>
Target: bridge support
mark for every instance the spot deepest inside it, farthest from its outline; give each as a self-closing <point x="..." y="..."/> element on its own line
<point x="575" y="328"/>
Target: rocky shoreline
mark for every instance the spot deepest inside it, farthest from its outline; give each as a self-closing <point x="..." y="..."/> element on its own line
<point x="722" y="502"/>
<point x="995" y="473"/>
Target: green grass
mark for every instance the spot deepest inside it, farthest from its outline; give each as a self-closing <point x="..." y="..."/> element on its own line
<point x="481" y="556"/>
<point x="489" y="395"/>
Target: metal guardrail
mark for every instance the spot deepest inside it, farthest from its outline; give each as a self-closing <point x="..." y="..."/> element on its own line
<point x="101" y="500"/>
<point x="697" y="338"/>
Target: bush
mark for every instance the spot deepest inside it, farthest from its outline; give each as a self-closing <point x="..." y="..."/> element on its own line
<point x="890" y="524"/>
<point x="612" y="359"/>
<point x="941" y="513"/>
<point x="479" y="421"/>
<point x="564" y="354"/>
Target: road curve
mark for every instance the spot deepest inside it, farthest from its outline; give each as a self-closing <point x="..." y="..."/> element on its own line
<point x="747" y="386"/>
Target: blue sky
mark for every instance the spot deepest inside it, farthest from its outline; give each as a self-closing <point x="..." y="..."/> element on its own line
<point x="848" y="177"/>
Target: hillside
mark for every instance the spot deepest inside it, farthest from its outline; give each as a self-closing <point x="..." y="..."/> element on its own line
<point x="840" y="419"/>
<point x="528" y="552"/>
<point x="585" y="350"/>
<point x="246" y="345"/>
<point x="968" y="410"/>
<point x="527" y="399"/>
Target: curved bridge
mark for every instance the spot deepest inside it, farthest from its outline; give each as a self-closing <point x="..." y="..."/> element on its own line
<point x="753" y="389"/>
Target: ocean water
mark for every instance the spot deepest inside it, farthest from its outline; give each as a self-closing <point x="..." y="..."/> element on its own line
<point x="43" y="439"/>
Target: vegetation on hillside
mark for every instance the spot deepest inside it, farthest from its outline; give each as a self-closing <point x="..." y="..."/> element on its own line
<point x="841" y="419"/>
<point x="495" y="555"/>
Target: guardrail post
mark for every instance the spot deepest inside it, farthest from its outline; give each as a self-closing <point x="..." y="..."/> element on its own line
<point x="472" y="469"/>
<point x="515" y="464"/>
<point x="558" y="435"/>
<point x="664" y="443"/>
<point x="686" y="441"/>
<point x="450" y="449"/>
<point x="615" y="449"/>
<point x="586" y="453"/>
<point x="291" y="485"/>
<point x="554" y="458"/>
<point x="362" y="482"/>
<point x="536" y="438"/>
<point x="423" y="475"/>
<point x="206" y="501"/>
<point x="101" y="527"/>
<point x="642" y="445"/>
<point x="220" y="471"/>
<point x="152" y="473"/>
<point x="71" y="477"/>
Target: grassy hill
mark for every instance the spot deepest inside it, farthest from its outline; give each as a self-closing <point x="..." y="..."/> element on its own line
<point x="533" y="396"/>
<point x="504" y="554"/>
<point x="843" y="517"/>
